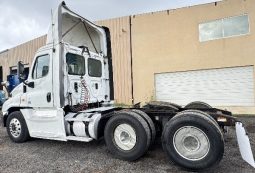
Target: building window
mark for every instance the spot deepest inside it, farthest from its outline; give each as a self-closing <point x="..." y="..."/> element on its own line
<point x="223" y="28"/>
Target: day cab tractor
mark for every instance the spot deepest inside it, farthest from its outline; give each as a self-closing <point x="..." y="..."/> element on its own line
<point x="69" y="93"/>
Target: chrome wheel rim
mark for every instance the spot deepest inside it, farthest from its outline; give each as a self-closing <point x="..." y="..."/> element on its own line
<point x="191" y="143"/>
<point x="15" y="127"/>
<point x="125" y="137"/>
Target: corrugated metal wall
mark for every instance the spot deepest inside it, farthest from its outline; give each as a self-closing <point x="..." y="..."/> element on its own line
<point x="3" y="63"/>
<point x="120" y="37"/>
<point x="24" y="52"/>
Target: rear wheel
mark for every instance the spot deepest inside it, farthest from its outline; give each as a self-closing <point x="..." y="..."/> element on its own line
<point x="192" y="140"/>
<point x="17" y="127"/>
<point x="192" y="111"/>
<point x="127" y="135"/>
<point x="150" y="123"/>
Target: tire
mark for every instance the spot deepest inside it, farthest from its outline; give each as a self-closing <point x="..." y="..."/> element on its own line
<point x="201" y="112"/>
<point x="149" y="122"/>
<point x="17" y="127"/>
<point x="197" y="105"/>
<point x="193" y="140"/>
<point x="129" y="123"/>
<point x="142" y="120"/>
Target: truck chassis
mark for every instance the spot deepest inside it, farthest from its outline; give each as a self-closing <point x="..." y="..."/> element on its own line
<point x="191" y="136"/>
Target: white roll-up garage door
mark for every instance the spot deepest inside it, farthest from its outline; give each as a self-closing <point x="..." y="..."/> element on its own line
<point x="218" y="87"/>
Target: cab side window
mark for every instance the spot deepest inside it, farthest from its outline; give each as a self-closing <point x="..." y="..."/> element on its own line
<point x="41" y="67"/>
<point x="94" y="67"/>
<point x="75" y="64"/>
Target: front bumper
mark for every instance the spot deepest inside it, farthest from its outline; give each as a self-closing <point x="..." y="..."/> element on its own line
<point x="244" y="144"/>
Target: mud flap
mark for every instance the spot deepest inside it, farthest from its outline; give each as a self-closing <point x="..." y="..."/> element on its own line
<point x="244" y="144"/>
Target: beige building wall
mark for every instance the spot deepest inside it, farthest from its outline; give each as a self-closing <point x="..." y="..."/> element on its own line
<point x="24" y="52"/>
<point x="121" y="55"/>
<point x="4" y="63"/>
<point x="168" y="41"/>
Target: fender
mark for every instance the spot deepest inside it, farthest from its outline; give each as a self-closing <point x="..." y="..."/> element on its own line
<point x="9" y="111"/>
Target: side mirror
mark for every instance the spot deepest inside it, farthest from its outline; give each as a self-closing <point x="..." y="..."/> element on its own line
<point x="20" y="70"/>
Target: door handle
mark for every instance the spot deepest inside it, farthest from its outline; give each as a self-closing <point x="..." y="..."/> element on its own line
<point x="48" y="97"/>
<point x="76" y="87"/>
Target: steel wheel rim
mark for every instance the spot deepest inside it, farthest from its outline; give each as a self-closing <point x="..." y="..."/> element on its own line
<point x="191" y="143"/>
<point x="125" y="137"/>
<point x="15" y="127"/>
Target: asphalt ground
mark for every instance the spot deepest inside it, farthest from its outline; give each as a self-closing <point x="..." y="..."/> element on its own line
<point x="39" y="155"/>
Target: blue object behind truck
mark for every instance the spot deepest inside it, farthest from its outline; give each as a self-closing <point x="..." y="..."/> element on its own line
<point x="2" y="94"/>
<point x="2" y="97"/>
<point x="13" y="82"/>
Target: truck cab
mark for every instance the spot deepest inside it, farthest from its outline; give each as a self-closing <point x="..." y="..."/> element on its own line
<point x="71" y="73"/>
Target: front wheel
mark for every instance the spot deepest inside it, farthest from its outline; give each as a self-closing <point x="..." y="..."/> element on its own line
<point x="17" y="127"/>
<point x="193" y="141"/>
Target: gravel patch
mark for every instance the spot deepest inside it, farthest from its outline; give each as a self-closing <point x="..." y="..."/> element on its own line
<point x="47" y="156"/>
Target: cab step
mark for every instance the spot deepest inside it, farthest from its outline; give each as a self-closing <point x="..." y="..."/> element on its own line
<point x="76" y="138"/>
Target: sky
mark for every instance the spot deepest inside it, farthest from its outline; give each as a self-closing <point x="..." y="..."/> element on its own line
<point x="23" y="20"/>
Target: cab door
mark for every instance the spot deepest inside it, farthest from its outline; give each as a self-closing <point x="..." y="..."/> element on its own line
<point x="39" y="88"/>
<point x="95" y="78"/>
<point x="42" y="118"/>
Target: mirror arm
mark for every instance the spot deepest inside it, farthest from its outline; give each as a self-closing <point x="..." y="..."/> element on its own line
<point x="29" y="84"/>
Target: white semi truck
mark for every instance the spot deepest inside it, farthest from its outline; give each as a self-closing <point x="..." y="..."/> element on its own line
<point x="69" y="96"/>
